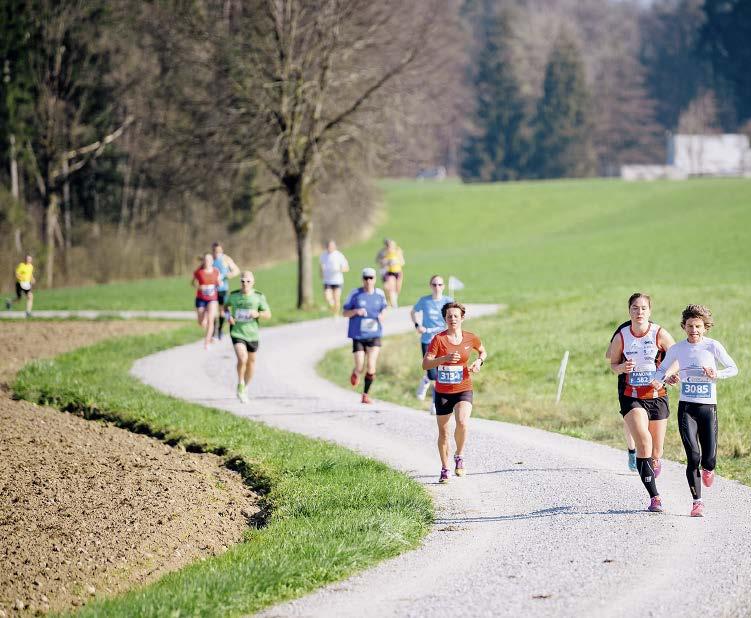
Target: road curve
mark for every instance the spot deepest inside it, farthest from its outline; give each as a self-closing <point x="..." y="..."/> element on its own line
<point x="543" y="524"/>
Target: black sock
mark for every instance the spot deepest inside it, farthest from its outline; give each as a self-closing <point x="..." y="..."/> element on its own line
<point x="632" y="451"/>
<point x="647" y="474"/>
<point x="221" y="323"/>
<point x="369" y="377"/>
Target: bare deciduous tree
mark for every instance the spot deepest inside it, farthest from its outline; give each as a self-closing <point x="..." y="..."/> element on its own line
<point x="312" y="85"/>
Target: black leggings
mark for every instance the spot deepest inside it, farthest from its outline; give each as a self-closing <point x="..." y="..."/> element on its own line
<point x="697" y="423"/>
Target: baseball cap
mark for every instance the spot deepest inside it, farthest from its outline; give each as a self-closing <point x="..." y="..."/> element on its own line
<point x="368" y="272"/>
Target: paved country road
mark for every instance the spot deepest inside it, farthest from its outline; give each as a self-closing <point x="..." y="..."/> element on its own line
<point x="542" y="525"/>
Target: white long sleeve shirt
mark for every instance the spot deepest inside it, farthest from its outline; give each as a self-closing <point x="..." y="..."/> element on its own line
<point x="696" y="387"/>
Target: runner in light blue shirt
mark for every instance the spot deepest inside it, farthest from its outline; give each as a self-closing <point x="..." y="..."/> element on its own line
<point x="429" y="323"/>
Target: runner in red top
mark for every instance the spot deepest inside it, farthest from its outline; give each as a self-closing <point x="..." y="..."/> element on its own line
<point x="206" y="278"/>
<point x="449" y="353"/>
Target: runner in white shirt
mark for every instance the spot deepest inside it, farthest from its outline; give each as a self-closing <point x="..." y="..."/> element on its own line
<point x="333" y="266"/>
<point x="697" y="358"/>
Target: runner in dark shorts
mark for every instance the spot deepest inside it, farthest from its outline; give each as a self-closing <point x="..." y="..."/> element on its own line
<point x="448" y="353"/>
<point x="634" y="356"/>
<point x="364" y="308"/>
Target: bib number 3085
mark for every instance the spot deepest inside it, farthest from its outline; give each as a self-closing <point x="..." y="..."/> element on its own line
<point x="450" y="374"/>
<point x="697" y="390"/>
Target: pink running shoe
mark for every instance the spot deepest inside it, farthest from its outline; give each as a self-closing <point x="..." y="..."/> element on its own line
<point x="657" y="466"/>
<point x="458" y="465"/>
<point x="366" y="398"/>
<point x="444" y="478"/>
<point x="698" y="509"/>
<point x="707" y="478"/>
<point x="655" y="505"/>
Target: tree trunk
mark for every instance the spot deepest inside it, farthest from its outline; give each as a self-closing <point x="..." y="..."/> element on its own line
<point x="53" y="201"/>
<point x="15" y="192"/>
<point x="67" y="221"/>
<point x="302" y="224"/>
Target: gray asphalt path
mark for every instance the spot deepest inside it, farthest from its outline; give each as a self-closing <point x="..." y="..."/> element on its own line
<point x="542" y="524"/>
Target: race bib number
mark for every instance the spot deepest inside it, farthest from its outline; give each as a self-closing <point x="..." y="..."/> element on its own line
<point x="243" y="315"/>
<point x="697" y="386"/>
<point x="641" y="378"/>
<point x="450" y="374"/>
<point x="208" y="290"/>
<point x="368" y="326"/>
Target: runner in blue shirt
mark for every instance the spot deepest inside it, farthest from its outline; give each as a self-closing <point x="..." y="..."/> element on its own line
<point x="227" y="269"/>
<point x="364" y="308"/>
<point x="428" y="324"/>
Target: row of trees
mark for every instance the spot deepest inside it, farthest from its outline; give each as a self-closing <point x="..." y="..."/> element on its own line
<point x="133" y="133"/>
<point x="570" y="89"/>
<point x="158" y="126"/>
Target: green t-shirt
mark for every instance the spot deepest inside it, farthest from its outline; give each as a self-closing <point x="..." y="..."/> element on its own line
<point x="240" y="306"/>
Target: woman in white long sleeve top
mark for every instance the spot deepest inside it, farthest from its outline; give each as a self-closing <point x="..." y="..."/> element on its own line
<point x="697" y="357"/>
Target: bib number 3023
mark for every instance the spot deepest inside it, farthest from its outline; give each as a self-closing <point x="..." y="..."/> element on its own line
<point x="450" y="374"/>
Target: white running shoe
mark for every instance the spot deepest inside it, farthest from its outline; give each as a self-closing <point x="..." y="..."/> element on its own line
<point x="422" y="390"/>
<point x="242" y="394"/>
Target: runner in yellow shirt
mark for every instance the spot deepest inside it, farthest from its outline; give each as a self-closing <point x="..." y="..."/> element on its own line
<point x="24" y="281"/>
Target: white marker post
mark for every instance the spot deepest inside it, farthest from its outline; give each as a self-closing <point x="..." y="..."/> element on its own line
<point x="454" y="284"/>
<point x="561" y="376"/>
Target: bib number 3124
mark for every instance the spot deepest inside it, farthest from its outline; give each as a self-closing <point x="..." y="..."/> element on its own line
<point x="450" y="374"/>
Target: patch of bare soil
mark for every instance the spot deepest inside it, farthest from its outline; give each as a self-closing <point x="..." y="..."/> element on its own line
<point x="88" y="509"/>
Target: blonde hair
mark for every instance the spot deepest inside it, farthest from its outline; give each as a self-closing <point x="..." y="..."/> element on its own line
<point x="697" y="311"/>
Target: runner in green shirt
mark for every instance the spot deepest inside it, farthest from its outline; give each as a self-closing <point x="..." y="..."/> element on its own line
<point x="246" y="306"/>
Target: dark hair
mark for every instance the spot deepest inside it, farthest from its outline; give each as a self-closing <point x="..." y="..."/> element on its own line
<point x="697" y="311"/>
<point x="636" y="295"/>
<point x="216" y="244"/>
<point x="447" y="306"/>
<point x="433" y="277"/>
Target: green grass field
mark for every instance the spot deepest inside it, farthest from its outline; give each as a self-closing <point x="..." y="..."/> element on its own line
<point x="330" y="512"/>
<point x="564" y="257"/>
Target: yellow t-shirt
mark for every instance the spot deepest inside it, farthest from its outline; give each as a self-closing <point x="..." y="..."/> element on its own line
<point x="394" y="261"/>
<point x="24" y="272"/>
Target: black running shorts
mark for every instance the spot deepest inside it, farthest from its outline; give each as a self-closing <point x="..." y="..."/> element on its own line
<point x="250" y="346"/>
<point x="656" y="409"/>
<point x="445" y="402"/>
<point x="360" y="345"/>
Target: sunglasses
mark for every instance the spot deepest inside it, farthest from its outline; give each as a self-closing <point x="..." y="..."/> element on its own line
<point x="246" y="280"/>
<point x="436" y="285"/>
<point x="368" y="277"/>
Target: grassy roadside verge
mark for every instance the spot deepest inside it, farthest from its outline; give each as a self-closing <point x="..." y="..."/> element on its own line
<point x="330" y="512"/>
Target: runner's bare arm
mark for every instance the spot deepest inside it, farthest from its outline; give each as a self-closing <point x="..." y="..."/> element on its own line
<point x="233" y="268"/>
<point x="482" y="355"/>
<point x="614" y="354"/>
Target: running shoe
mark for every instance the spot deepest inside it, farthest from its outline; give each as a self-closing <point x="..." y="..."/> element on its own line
<point x="632" y="461"/>
<point x="432" y="408"/>
<point x="28" y="314"/>
<point x="444" y="478"/>
<point x="707" y="478"/>
<point x="698" y="509"/>
<point x="354" y="379"/>
<point x="657" y="466"/>
<point x="655" y="505"/>
<point x="366" y="398"/>
<point x="458" y="465"/>
<point x="7" y="305"/>
<point x="242" y="393"/>
<point x="422" y="390"/>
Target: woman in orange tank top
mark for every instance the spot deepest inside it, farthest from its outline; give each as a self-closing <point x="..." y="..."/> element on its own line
<point x="449" y="353"/>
